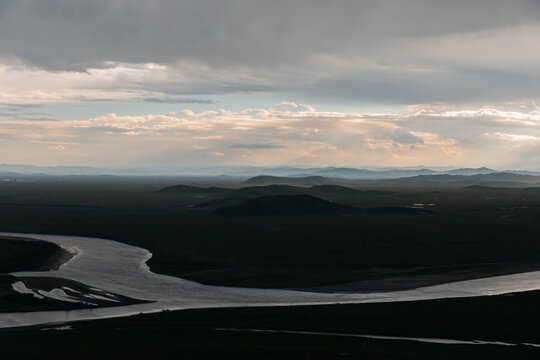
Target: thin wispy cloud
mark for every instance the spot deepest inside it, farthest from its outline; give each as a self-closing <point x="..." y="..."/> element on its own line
<point x="169" y="100"/>
<point x="257" y="146"/>
<point x="281" y="134"/>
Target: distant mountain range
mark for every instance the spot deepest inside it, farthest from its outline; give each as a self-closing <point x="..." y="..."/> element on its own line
<point x="461" y="176"/>
<point x="317" y="174"/>
<point x="356" y="173"/>
<point x="64" y="170"/>
<point x="330" y="188"/>
<point x="495" y="177"/>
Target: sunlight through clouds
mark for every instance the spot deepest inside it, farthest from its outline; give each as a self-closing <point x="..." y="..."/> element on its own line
<point x="285" y="132"/>
<point x="396" y="83"/>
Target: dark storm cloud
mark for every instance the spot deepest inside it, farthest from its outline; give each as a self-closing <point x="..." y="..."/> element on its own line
<point x="64" y="34"/>
<point x="430" y="87"/>
<point x="405" y="51"/>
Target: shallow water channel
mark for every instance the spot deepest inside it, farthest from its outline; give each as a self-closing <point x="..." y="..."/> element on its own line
<point x="122" y="269"/>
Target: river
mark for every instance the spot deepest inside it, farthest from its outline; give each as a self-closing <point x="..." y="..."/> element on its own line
<point x="122" y="269"/>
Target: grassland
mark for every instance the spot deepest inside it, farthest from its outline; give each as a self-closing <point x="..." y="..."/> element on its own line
<point x="227" y="333"/>
<point x="469" y="232"/>
<point x="26" y="255"/>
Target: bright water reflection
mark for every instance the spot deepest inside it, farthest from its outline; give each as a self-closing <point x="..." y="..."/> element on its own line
<point x="122" y="269"/>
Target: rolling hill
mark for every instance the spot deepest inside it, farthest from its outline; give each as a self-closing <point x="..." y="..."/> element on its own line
<point x="194" y="190"/>
<point x="305" y="181"/>
<point x="285" y="205"/>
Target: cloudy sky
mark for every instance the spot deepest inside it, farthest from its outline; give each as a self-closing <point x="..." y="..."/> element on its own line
<point x="129" y="83"/>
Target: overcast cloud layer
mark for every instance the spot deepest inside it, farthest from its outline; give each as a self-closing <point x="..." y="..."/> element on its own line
<point x="193" y="81"/>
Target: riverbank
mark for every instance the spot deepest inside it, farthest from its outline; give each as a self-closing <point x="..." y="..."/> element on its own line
<point x="208" y="344"/>
<point x="486" y="318"/>
<point x="227" y="332"/>
<point x="362" y="252"/>
<point x="27" y="254"/>
<point x="511" y="318"/>
<point x="396" y="279"/>
<point x="31" y="294"/>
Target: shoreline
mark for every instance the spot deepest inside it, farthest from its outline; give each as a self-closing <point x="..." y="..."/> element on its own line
<point x="486" y="327"/>
<point x="410" y="282"/>
<point x="120" y="269"/>
<point x="61" y="257"/>
<point x="33" y="294"/>
<point x="53" y="293"/>
<point x="55" y="261"/>
<point x="489" y="318"/>
<point x="407" y="280"/>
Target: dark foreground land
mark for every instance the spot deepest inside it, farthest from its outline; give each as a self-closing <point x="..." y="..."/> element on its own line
<point x="24" y="254"/>
<point x="404" y="235"/>
<point x="369" y="236"/>
<point x="300" y="332"/>
<point x="207" y="344"/>
<point x="28" y="255"/>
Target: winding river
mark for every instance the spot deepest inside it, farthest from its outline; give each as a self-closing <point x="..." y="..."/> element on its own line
<point x="122" y="269"/>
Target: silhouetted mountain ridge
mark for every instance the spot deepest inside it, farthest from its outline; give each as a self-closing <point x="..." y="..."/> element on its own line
<point x="186" y="189"/>
<point x="250" y="192"/>
<point x="472" y="171"/>
<point x="479" y="178"/>
<point x="300" y="204"/>
<point x="305" y="180"/>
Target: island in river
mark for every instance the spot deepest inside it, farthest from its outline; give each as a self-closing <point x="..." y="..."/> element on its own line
<point x="29" y="294"/>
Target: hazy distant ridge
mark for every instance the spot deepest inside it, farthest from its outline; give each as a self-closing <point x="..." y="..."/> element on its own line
<point x="252" y="171"/>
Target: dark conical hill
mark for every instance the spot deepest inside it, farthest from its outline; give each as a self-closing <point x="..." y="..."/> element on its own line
<point x="286" y="205"/>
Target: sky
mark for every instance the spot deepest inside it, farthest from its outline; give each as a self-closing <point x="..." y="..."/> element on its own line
<point x="132" y="83"/>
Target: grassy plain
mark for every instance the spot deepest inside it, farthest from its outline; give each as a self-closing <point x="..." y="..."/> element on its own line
<point x="228" y="333"/>
<point x="25" y="255"/>
<point x="468" y="232"/>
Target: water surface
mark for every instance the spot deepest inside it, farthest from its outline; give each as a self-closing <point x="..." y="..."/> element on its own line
<point x="121" y="268"/>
